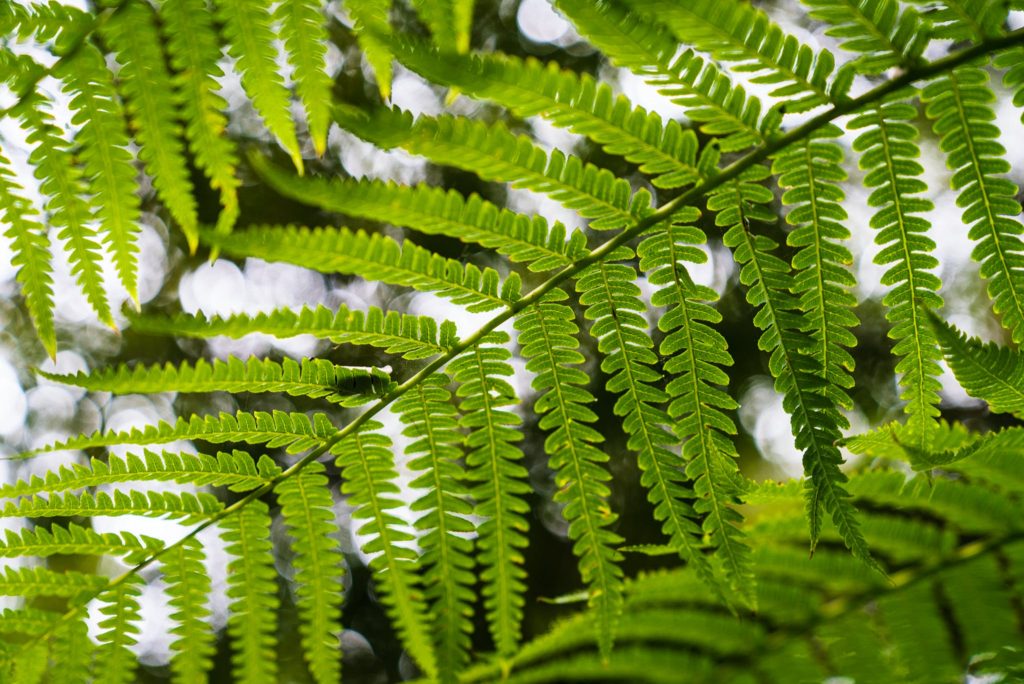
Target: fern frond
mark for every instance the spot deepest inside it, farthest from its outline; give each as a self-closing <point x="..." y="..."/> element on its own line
<point x="798" y="376"/>
<point x="103" y="144"/>
<point x="662" y="149"/>
<point x="193" y="48"/>
<point x="67" y="207"/>
<point x="967" y="19"/>
<point x="31" y="255"/>
<point x="27" y="621"/>
<point x="252" y="594"/>
<point x="889" y="152"/>
<point x="115" y="662"/>
<point x="368" y="480"/>
<point x="188" y="587"/>
<point x="374" y="257"/>
<point x="305" y="39"/>
<point x="449" y="22"/>
<point x="432" y="424"/>
<point x="959" y="105"/>
<point x="809" y="172"/>
<point x="743" y="35"/>
<point x="295" y="432"/>
<point x="184" y="505"/>
<point x="76" y="540"/>
<point x="547" y="338"/>
<point x="73" y="649"/>
<point x="373" y="30"/>
<point x="695" y="353"/>
<point x="499" y="483"/>
<point x="250" y="41"/>
<point x="308" y="512"/>
<point x="435" y="211"/>
<point x="989" y="372"/>
<point x="495" y="154"/>
<point x="236" y="470"/>
<point x="884" y="34"/>
<point x="412" y="337"/>
<point x="647" y="47"/>
<point x="1013" y="78"/>
<point x="313" y="378"/>
<point x="39" y="581"/>
<point x="149" y="99"/>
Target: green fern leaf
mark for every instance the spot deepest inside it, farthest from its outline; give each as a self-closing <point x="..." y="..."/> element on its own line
<point x="1013" y="78"/>
<point x="375" y="257"/>
<point x="547" y="338"/>
<point x="528" y="88"/>
<point x="39" y="581"/>
<point x="959" y="105"/>
<point x="989" y="372"/>
<point x="308" y="512"/>
<point x="252" y="593"/>
<point x="193" y="47"/>
<point x="186" y="506"/>
<point x="188" y="586"/>
<point x="499" y="483"/>
<point x="884" y="34"/>
<point x="305" y="39"/>
<point x="247" y="28"/>
<point x="967" y="19"/>
<point x="432" y="424"/>
<point x="373" y="29"/>
<point x="149" y="96"/>
<point x="73" y="649"/>
<point x="368" y="480"/>
<point x="889" y="154"/>
<point x="76" y="540"/>
<point x="236" y="470"/>
<point x="449" y="22"/>
<point x="810" y="172"/>
<point x="434" y="211"/>
<point x="108" y="163"/>
<point x="648" y="48"/>
<point x="31" y="248"/>
<point x="295" y="432"/>
<point x="412" y="337"/>
<point x="798" y="375"/>
<point x="694" y="353"/>
<point x="115" y="662"/>
<point x="67" y="208"/>
<point x="495" y="154"/>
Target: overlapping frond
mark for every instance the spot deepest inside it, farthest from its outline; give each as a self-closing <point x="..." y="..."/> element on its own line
<point x="119" y="627"/>
<point x="40" y="581"/>
<point x="305" y="40"/>
<point x="413" y="337"/>
<point x="188" y="586"/>
<point x="159" y="504"/>
<point x="372" y="28"/>
<point x="449" y="22"/>
<point x="74" y="539"/>
<point x="990" y="371"/>
<point x="966" y="19"/>
<point x="375" y="257"/>
<point x="435" y="211"/>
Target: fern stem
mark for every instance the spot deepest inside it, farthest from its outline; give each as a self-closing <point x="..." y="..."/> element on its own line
<point x="689" y="198"/>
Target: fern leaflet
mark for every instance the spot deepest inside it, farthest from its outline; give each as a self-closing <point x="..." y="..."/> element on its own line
<point x="189" y="588"/>
<point x="305" y="39"/>
<point x="115" y="662"/>
<point x="985" y="371"/>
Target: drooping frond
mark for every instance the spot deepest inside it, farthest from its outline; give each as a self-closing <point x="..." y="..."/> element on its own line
<point x="494" y="153"/>
<point x="115" y="662"/>
<point x="499" y="483"/>
<point x="188" y="586"/>
<point x="647" y="47"/>
<point x="799" y="376"/>
<point x="986" y="371"/>
<point x="308" y="512"/>
<point x="150" y="102"/>
<point x="30" y="246"/>
<point x="434" y="211"/>
<point x="158" y="504"/>
<point x="236" y="470"/>
<point x="695" y="353"/>
<point x="313" y="378"/>
<point x="103" y="144"/>
<point x="252" y="595"/>
<point x="884" y="34"/>
<point x="449" y="22"/>
<point x="743" y="35"/>
<point x="368" y="480"/>
<point x="889" y="152"/>
<point x="76" y="540"/>
<point x="247" y="28"/>
<point x="413" y="337"/>
<point x="959" y="105"/>
<point x="547" y="338"/>
<point x="662" y="149"/>
<point x="295" y="432"/>
<point x="193" y="48"/>
<point x="431" y="422"/>
<point x="373" y="29"/>
<point x="809" y="173"/>
<point x="305" y="40"/>
<point x="375" y="257"/>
